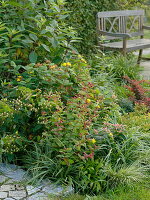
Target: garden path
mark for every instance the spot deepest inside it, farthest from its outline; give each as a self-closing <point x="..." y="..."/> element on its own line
<point x="145" y="74"/>
<point x="13" y="186"/>
<point x="145" y="64"/>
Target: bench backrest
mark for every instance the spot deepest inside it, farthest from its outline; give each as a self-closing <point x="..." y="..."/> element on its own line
<point x="124" y="21"/>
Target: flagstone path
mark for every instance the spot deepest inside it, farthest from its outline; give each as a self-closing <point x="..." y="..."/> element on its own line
<point x="13" y="187"/>
<point x="145" y="74"/>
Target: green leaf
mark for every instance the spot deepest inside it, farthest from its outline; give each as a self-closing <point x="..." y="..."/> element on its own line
<point x="33" y="37"/>
<point x="13" y="64"/>
<point x="33" y="57"/>
<point x="19" y="142"/>
<point x="27" y="41"/>
<point x="53" y="41"/>
<point x="46" y="47"/>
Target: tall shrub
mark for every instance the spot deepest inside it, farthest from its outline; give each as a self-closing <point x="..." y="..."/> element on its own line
<point x="34" y="30"/>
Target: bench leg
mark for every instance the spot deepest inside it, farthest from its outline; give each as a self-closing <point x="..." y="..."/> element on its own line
<point x="124" y="47"/>
<point x="140" y="56"/>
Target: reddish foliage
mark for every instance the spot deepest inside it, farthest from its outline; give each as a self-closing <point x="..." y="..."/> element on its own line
<point x="139" y="92"/>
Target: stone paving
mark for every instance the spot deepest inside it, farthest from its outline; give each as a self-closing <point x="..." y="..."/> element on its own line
<point x="13" y="187"/>
<point x="145" y="64"/>
<point x="145" y="74"/>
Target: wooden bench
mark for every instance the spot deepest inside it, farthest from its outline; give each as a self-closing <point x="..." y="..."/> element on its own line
<point x="124" y="25"/>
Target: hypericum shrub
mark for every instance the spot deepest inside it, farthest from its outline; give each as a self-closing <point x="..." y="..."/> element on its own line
<point x="57" y="107"/>
<point x="35" y="99"/>
<point x="140" y="93"/>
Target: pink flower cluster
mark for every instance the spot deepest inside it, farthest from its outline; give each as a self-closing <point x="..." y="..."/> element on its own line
<point x="113" y="127"/>
<point x="91" y="155"/>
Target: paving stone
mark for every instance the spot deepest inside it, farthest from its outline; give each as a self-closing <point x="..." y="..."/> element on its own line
<point x="17" y="175"/>
<point x="19" y="198"/>
<point x="13" y="189"/>
<point x="19" y="187"/>
<point x="38" y="196"/>
<point x="57" y="190"/>
<point x="6" y="188"/>
<point x="52" y="189"/>
<point x="7" y="167"/>
<point x="3" y="178"/>
<point x="3" y="194"/>
<point x="17" y="194"/>
<point x="13" y="172"/>
<point x="31" y="189"/>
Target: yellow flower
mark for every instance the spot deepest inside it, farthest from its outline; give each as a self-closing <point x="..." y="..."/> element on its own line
<point x="68" y="64"/>
<point x="98" y="106"/>
<point x="93" y="141"/>
<point x="64" y="64"/>
<point x="83" y="60"/>
<point x="110" y="134"/>
<point x="88" y="100"/>
<point x="19" y="78"/>
<point x="92" y="95"/>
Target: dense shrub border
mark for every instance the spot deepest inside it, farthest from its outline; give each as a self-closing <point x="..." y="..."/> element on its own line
<point x="68" y="127"/>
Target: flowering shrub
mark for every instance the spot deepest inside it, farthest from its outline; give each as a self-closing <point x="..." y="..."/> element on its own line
<point x="44" y="98"/>
<point x="113" y="129"/>
<point x="57" y="107"/>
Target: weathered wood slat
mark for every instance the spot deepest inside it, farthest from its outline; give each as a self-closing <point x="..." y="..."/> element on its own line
<point x="121" y="35"/>
<point x="135" y="34"/>
<point x="146" y="27"/>
<point x="120" y="13"/>
<point x="131" y="44"/>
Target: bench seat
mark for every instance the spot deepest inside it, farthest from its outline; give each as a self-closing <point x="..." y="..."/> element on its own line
<point x="131" y="45"/>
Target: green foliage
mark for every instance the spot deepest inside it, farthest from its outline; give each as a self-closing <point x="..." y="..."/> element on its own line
<point x="67" y="124"/>
<point x="120" y="66"/>
<point x="33" y="31"/>
<point x="114" y="160"/>
<point x="139" y="119"/>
